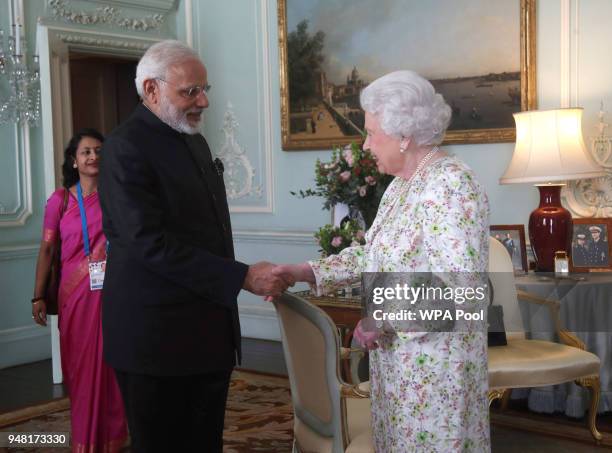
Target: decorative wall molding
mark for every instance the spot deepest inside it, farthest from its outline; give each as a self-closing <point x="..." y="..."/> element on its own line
<point x="189" y="22"/>
<point x="106" y="43"/>
<point x="264" y="101"/>
<point x="104" y="15"/>
<point x="21" y="333"/>
<point x="570" y="53"/>
<point x="23" y="204"/>
<point x="18" y="252"/>
<point x="593" y="197"/>
<point x="589" y="197"/>
<point x="565" y="47"/>
<point x="575" y="69"/>
<point x="55" y="42"/>
<point x="23" y="190"/>
<point x="264" y="98"/>
<point x="162" y="6"/>
<point x="24" y="345"/>
<point x="259" y="322"/>
<point x="300" y="238"/>
<point x="239" y="173"/>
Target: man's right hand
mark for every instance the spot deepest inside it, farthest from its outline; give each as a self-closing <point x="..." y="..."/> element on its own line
<point x="262" y="281"/>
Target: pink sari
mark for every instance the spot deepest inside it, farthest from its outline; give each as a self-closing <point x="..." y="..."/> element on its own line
<point x="97" y="414"/>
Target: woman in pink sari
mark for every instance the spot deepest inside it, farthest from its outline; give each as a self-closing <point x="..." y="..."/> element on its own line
<point x="97" y="415"/>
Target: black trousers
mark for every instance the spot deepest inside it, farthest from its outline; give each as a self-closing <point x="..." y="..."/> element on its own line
<point x="175" y="413"/>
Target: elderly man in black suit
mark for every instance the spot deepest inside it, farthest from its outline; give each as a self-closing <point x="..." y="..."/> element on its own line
<point x="170" y="317"/>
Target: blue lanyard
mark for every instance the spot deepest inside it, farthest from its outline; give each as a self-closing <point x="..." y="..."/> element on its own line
<point x="83" y="218"/>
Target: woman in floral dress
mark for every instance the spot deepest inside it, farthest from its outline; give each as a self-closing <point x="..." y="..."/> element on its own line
<point x="428" y="389"/>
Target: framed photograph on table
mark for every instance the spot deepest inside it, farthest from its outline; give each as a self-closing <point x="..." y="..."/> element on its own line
<point x="480" y="55"/>
<point x="591" y="245"/>
<point x="513" y="239"/>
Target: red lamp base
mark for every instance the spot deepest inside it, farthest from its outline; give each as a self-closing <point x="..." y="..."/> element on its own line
<point x="550" y="228"/>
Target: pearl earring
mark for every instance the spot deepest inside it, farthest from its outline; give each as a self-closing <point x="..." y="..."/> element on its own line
<point x="74" y="165"/>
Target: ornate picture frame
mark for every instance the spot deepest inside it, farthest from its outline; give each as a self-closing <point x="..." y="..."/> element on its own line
<point x="331" y="116"/>
<point x="591" y="246"/>
<point x="512" y="238"/>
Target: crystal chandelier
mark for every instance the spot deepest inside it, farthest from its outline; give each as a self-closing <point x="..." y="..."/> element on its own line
<point x="22" y="102"/>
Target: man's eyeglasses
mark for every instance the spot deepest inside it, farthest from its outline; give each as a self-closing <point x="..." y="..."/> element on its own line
<point x="191" y="92"/>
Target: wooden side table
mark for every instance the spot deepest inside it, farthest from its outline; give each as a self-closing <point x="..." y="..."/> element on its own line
<point x="344" y="311"/>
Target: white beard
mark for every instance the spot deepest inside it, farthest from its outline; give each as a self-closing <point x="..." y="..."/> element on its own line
<point x="176" y="119"/>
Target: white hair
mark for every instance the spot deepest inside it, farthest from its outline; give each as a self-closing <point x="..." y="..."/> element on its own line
<point x="159" y="58"/>
<point x="407" y="105"/>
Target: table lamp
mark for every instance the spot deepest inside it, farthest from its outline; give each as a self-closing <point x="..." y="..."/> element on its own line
<point x="550" y="150"/>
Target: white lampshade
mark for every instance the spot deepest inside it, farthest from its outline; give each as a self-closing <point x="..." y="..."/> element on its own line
<point x="550" y="148"/>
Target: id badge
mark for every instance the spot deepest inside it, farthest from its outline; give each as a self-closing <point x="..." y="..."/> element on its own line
<point x="96" y="275"/>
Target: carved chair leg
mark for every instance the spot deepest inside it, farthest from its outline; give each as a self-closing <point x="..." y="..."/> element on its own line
<point x="495" y="394"/>
<point x="592" y="383"/>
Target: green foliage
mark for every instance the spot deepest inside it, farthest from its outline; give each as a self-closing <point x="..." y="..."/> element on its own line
<point x="305" y="56"/>
<point x="334" y="239"/>
<point x="352" y="178"/>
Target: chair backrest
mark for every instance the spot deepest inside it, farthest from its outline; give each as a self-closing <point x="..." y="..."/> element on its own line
<point x="311" y="347"/>
<point x="501" y="274"/>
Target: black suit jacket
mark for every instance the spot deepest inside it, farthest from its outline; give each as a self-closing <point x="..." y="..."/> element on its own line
<point x="169" y="297"/>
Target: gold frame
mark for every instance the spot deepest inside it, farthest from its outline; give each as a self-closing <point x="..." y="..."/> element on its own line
<point x="467" y="136"/>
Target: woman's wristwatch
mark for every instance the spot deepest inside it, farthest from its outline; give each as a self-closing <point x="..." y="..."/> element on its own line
<point x="36" y="299"/>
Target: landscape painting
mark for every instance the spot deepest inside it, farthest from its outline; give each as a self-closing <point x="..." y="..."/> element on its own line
<point x="479" y="54"/>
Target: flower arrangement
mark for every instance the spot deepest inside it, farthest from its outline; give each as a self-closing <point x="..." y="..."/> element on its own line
<point x="352" y="178"/>
<point x="333" y="239"/>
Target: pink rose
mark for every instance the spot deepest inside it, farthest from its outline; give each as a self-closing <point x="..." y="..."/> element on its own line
<point x="344" y="176"/>
<point x="360" y="235"/>
<point x="336" y="241"/>
<point x="363" y="190"/>
<point x="371" y="180"/>
<point x="348" y="156"/>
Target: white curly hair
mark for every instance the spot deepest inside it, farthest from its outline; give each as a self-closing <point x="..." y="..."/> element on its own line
<point x="407" y="105"/>
<point x="159" y="58"/>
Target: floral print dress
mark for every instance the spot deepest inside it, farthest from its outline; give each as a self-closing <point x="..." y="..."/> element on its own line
<point x="428" y="390"/>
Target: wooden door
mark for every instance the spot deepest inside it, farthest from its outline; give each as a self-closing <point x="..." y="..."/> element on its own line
<point x="103" y="91"/>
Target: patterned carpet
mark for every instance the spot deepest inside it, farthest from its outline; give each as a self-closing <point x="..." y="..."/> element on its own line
<point x="259" y="419"/>
<point x="259" y="416"/>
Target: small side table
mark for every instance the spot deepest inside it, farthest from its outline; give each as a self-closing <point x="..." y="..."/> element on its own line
<point x="586" y="310"/>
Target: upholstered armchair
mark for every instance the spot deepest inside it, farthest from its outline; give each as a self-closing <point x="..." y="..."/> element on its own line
<point x="329" y="414"/>
<point x="535" y="363"/>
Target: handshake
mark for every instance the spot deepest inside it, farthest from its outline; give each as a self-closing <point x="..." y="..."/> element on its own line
<point x="270" y="280"/>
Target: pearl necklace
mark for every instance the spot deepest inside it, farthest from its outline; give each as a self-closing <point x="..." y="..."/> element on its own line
<point x="401" y="184"/>
<point x="426" y="158"/>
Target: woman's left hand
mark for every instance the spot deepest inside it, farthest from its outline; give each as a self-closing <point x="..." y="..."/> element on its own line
<point x="39" y="312"/>
<point x="367" y="338"/>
